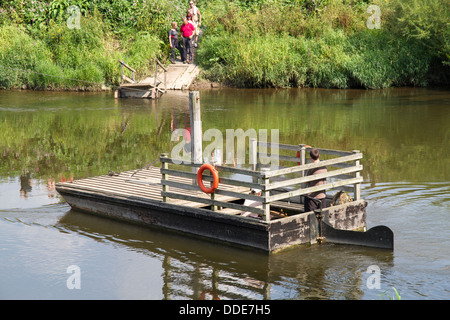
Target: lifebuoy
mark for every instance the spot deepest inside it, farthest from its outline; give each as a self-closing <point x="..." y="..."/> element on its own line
<point x="215" y="178"/>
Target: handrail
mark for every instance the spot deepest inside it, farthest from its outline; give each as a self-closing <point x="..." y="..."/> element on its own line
<point x="157" y="90"/>
<point x="349" y="175"/>
<point x="126" y="66"/>
<point x="161" y="65"/>
<point x="158" y="63"/>
<point x="123" y="76"/>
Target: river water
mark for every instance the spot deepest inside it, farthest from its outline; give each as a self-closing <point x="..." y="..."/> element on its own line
<point x="47" y="137"/>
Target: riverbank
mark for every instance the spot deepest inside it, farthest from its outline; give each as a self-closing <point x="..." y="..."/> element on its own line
<point x="326" y="44"/>
<point x="247" y="44"/>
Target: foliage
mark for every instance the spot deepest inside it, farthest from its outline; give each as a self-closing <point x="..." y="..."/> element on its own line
<point x="57" y="57"/>
<point x="134" y="31"/>
<point x="395" y="296"/>
<point x="247" y="43"/>
<point x="19" y="52"/>
<point x="334" y="60"/>
<point x="286" y="43"/>
<point x="426" y="21"/>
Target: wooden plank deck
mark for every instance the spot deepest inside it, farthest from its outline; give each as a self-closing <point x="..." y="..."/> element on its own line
<point x="135" y="196"/>
<point x="179" y="76"/>
<point x="176" y="76"/>
<point x="144" y="184"/>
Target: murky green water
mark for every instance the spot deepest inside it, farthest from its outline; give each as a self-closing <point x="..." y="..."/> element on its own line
<point x="48" y="137"/>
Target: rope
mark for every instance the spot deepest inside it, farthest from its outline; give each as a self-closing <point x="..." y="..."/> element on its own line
<point x="116" y="174"/>
<point x="146" y="166"/>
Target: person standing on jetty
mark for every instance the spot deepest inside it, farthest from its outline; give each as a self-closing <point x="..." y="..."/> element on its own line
<point x="310" y="205"/>
<point x="196" y="19"/>
<point x="187" y="31"/>
<point x="174" y="43"/>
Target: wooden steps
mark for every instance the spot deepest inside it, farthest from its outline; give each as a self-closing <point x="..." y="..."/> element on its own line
<point x="176" y="76"/>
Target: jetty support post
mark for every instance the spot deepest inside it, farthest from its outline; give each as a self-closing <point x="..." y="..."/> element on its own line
<point x="266" y="193"/>
<point x="196" y="127"/>
<point x="254" y="157"/>
<point x="165" y="166"/>
<point x="253" y="153"/>
<point x="196" y="131"/>
<point x="302" y="162"/>
<point x="357" y="186"/>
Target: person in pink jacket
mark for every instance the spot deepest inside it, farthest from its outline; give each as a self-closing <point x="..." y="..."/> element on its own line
<point x="187" y="32"/>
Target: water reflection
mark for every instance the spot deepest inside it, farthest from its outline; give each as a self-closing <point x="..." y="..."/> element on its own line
<point x="197" y="269"/>
<point x="47" y="137"/>
<point x="397" y="130"/>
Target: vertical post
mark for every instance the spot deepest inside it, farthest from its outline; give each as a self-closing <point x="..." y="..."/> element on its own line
<point x="165" y="80"/>
<point x="121" y="73"/>
<point x="165" y="166"/>
<point x="196" y="127"/>
<point x="253" y="153"/>
<point x="266" y="193"/>
<point x="156" y="73"/>
<point x="357" y="186"/>
<point x="213" y="207"/>
<point x="302" y="162"/>
<point x="254" y="157"/>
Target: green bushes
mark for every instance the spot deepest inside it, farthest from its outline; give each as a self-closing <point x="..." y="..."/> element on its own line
<point x="292" y="43"/>
<point x="425" y="21"/>
<point x="54" y="59"/>
<point x="39" y="50"/>
<point x="246" y="43"/>
<point x="368" y="59"/>
<point x="254" y="61"/>
<point x="18" y="52"/>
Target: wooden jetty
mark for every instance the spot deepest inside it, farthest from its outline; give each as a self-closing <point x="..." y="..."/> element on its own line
<point x="177" y="76"/>
<point x="170" y="197"/>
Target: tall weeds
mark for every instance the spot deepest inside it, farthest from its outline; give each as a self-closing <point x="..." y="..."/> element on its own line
<point x="246" y="43"/>
<point x="286" y="44"/>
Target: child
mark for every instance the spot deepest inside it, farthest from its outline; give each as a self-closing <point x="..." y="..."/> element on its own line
<point x="173" y="41"/>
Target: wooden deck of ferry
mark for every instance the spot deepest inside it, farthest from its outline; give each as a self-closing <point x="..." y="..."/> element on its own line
<point x="169" y="198"/>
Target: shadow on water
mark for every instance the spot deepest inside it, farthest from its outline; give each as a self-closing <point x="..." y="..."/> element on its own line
<point x="197" y="269"/>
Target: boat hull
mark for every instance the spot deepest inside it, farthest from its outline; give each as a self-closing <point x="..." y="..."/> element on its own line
<point x="273" y="236"/>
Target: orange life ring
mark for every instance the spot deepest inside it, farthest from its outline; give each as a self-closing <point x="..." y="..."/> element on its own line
<point x="215" y="178"/>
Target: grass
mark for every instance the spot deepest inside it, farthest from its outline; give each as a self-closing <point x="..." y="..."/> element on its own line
<point x="366" y="59"/>
<point x="395" y="296"/>
<point x="246" y="43"/>
<point x="329" y="46"/>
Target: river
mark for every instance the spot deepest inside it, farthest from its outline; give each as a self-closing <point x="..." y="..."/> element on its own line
<point x="47" y="137"/>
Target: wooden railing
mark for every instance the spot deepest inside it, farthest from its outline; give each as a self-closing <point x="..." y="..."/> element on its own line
<point x="122" y="74"/>
<point x="158" y="65"/>
<point x="265" y="179"/>
<point x="157" y="80"/>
